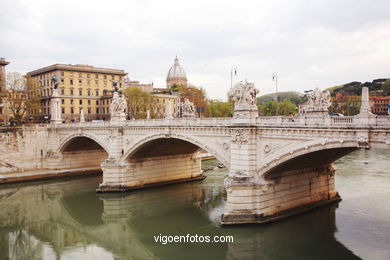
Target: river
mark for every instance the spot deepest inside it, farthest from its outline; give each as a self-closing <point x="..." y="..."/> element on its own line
<point x="66" y="219"/>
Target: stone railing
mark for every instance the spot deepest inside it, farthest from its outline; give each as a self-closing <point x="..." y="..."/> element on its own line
<point x="341" y="120"/>
<point x="222" y="121"/>
<point x="326" y="121"/>
<point x="301" y="121"/>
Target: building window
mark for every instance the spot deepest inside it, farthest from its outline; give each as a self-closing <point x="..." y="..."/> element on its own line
<point x="71" y="101"/>
<point x="97" y="93"/>
<point x="97" y="102"/>
<point x="62" y="91"/>
<point x="71" y="92"/>
<point x="88" y="83"/>
<point x="80" y="75"/>
<point x="96" y="76"/>
<point x="63" y="110"/>
<point x="80" y="102"/>
<point x="89" y="110"/>
<point x="89" y="92"/>
<point x="96" y="83"/>
<point x="80" y="82"/>
<point x="62" y="73"/>
<point x="88" y="75"/>
<point x="80" y="92"/>
<point x="105" y="76"/>
<point x="89" y="102"/>
<point x="62" y="101"/>
<point x="71" y="110"/>
<point x="71" y="82"/>
<point x="112" y="77"/>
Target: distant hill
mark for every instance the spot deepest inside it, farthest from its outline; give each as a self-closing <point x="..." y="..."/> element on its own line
<point x="294" y="96"/>
<point x="355" y="88"/>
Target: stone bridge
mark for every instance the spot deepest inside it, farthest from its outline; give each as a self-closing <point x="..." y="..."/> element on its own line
<point x="278" y="166"/>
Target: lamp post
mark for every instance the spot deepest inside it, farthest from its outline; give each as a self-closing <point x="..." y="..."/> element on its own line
<point x="233" y="70"/>
<point x="275" y="78"/>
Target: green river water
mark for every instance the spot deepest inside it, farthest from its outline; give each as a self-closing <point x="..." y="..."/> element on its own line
<point x="66" y="219"/>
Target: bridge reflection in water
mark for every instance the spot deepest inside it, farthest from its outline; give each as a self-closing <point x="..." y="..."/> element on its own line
<point x="68" y="219"/>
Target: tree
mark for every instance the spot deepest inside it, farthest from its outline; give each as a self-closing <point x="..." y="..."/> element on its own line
<point x="218" y="108"/>
<point x="273" y="108"/>
<point x="196" y="95"/>
<point x="16" y="96"/>
<point x="344" y="104"/>
<point x="386" y="87"/>
<point x="138" y="102"/>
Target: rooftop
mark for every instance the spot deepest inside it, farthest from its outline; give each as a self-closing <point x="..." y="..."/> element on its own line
<point x="76" y="68"/>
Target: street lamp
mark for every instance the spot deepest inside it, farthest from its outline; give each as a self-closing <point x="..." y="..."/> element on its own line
<point x="233" y="70"/>
<point x="275" y="78"/>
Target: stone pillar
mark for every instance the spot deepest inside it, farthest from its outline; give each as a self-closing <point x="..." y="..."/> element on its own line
<point x="168" y="109"/>
<point x="240" y="181"/>
<point x="365" y="108"/>
<point x="148" y="114"/>
<point x="243" y="153"/>
<point x="82" y="118"/>
<point x="53" y="158"/>
<point x="55" y="109"/>
<point x="365" y="116"/>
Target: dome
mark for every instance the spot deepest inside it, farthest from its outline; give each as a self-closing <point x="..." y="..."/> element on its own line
<point x="176" y="71"/>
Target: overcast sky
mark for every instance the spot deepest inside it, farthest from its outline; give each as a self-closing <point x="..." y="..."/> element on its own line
<point x="307" y="43"/>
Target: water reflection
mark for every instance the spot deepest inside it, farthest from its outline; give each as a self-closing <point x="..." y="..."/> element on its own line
<point x="66" y="219"/>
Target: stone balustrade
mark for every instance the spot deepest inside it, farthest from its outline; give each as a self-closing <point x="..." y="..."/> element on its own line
<point x="303" y="121"/>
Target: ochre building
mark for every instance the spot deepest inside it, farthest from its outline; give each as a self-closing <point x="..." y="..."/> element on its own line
<point x="81" y="87"/>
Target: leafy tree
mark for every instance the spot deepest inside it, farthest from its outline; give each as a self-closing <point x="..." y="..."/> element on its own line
<point x="218" y="108"/>
<point x="16" y="93"/>
<point x="345" y="104"/>
<point x="273" y="108"/>
<point x="293" y="96"/>
<point x="139" y="102"/>
<point x="196" y="95"/>
<point x="386" y="87"/>
<point x="175" y="88"/>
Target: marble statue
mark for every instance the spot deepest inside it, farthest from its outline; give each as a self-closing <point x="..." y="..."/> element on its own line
<point x="243" y="94"/>
<point x="318" y="101"/>
<point x="55" y="80"/>
<point x="185" y="109"/>
<point x="118" y="104"/>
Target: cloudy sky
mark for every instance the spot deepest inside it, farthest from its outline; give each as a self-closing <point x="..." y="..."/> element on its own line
<point x="307" y="43"/>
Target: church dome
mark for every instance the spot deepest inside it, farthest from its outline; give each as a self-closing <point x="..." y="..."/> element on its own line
<point x="176" y="71"/>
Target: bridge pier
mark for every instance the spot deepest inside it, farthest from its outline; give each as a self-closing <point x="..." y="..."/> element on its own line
<point x="279" y="195"/>
<point x="139" y="173"/>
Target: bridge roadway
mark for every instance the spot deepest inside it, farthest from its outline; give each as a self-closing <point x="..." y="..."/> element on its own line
<point x="278" y="167"/>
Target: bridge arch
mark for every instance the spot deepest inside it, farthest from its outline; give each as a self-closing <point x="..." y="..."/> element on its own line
<point x="307" y="155"/>
<point x="82" y="151"/>
<point x="182" y="139"/>
<point x="73" y="137"/>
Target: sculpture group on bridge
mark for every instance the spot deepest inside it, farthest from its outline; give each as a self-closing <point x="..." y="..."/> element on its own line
<point x="185" y="109"/>
<point x="243" y="94"/>
<point x="318" y="102"/>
